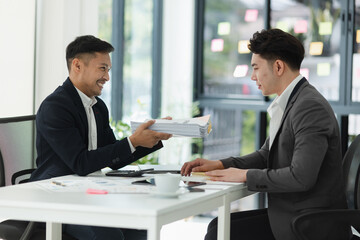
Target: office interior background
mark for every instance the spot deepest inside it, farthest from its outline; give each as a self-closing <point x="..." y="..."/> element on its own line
<point x="183" y="58"/>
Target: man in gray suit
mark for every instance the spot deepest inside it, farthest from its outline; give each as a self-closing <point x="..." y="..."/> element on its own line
<point x="299" y="166"/>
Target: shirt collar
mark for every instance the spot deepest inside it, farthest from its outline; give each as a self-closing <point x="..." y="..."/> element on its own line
<point x="87" y="102"/>
<point x="282" y="100"/>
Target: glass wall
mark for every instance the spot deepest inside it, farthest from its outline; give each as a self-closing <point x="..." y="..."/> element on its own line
<point x="227" y="28"/>
<point x="137" y="59"/>
<point x="233" y="133"/>
<point x="105" y="33"/>
<point x="317" y="24"/>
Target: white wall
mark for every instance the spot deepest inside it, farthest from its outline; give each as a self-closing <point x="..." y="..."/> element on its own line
<point x="17" y="24"/>
<point x="59" y="22"/>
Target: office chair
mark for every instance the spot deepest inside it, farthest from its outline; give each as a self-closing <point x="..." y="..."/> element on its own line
<point x="351" y="216"/>
<point x="16" y="152"/>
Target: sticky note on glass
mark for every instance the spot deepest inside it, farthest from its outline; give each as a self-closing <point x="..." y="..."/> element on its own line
<point x="241" y="70"/>
<point x="325" y="28"/>
<point x="243" y="46"/>
<point x="358" y="36"/>
<point x="305" y="72"/>
<point x="316" y="48"/>
<point x="251" y="15"/>
<point x="301" y="26"/>
<point x="217" y="45"/>
<point x="282" y="25"/>
<point x="323" y="69"/>
<point x="224" y="28"/>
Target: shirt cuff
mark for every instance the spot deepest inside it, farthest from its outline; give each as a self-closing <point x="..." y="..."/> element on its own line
<point x="131" y="146"/>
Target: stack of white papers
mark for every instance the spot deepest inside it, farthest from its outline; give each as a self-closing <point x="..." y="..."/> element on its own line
<point x="194" y="127"/>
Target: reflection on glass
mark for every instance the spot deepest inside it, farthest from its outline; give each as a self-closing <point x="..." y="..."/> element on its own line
<point x="317" y="25"/>
<point x="229" y="24"/>
<point x="137" y="59"/>
<point x="356" y="55"/>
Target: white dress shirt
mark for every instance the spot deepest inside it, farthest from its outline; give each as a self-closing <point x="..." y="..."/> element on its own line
<point x="88" y="103"/>
<point x="92" y="135"/>
<point x="277" y="108"/>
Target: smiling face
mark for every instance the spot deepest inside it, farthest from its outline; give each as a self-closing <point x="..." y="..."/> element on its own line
<point x="91" y="73"/>
<point x="263" y="74"/>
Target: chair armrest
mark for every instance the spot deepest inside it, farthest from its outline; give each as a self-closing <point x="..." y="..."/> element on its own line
<point x="21" y="173"/>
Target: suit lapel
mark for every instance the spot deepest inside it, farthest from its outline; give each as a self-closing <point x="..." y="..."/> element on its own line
<point x="293" y="96"/>
<point x="70" y="88"/>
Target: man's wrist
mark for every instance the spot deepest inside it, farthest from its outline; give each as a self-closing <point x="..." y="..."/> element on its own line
<point x="131" y="143"/>
<point x="220" y="165"/>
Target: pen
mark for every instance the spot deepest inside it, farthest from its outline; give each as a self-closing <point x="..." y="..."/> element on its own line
<point x="58" y="183"/>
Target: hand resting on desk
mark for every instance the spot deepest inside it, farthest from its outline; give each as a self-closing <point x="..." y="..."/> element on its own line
<point x="215" y="170"/>
<point x="200" y="165"/>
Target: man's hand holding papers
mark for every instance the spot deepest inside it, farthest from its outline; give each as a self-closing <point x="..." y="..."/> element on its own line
<point x="195" y="127"/>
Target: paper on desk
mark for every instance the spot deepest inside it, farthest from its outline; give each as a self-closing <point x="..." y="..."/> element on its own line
<point x="198" y="127"/>
<point x="100" y="183"/>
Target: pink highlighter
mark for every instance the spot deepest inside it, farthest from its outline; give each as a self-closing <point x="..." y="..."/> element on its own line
<point x="96" y="191"/>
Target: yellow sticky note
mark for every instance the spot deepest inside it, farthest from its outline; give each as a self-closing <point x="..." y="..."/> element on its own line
<point x="325" y="28"/>
<point x="224" y="28"/>
<point x="316" y="48"/>
<point x="323" y="69"/>
<point x="282" y="25"/>
<point x="243" y="46"/>
<point x="358" y="36"/>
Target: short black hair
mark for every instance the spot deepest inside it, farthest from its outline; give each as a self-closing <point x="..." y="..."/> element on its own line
<point x="86" y="44"/>
<point x="276" y="44"/>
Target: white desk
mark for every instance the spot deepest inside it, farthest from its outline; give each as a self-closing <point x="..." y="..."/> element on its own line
<point x="139" y="211"/>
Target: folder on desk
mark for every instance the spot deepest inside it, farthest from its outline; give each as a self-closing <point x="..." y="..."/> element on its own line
<point x="198" y="127"/>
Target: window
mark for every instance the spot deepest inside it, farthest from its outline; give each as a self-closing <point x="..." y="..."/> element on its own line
<point x="317" y="24"/>
<point x="137" y="66"/>
<point x="136" y="33"/>
<point x="105" y="33"/>
<point x="227" y="28"/>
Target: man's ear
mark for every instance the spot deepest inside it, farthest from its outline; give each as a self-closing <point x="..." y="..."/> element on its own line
<point x="279" y="67"/>
<point x="76" y="65"/>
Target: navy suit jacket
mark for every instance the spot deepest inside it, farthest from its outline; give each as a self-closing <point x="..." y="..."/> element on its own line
<point x="62" y="138"/>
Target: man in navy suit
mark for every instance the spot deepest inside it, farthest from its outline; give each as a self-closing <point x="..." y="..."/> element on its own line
<point x="73" y="131"/>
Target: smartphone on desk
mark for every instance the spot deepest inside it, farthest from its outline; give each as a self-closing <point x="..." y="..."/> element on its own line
<point x="191" y="184"/>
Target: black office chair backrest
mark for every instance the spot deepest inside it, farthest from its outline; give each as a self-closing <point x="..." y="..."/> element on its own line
<point x="351" y="167"/>
<point x="17" y="140"/>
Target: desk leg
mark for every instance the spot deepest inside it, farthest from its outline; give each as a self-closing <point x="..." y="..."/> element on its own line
<point x="154" y="232"/>
<point x="224" y="220"/>
<point x="53" y="231"/>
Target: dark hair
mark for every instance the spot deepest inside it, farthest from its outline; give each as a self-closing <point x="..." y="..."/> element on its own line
<point x="276" y="44"/>
<point x="86" y="44"/>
